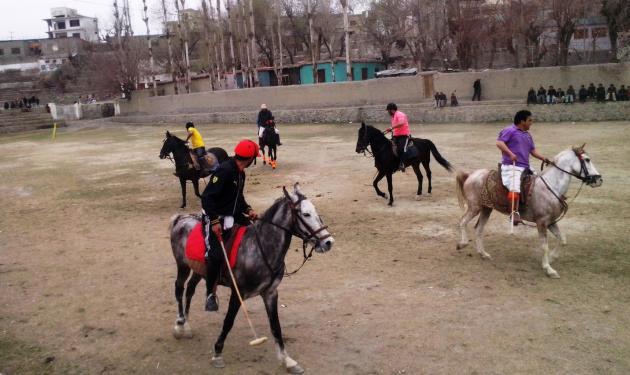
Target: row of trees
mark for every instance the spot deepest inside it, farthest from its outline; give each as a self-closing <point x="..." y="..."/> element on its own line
<point x="231" y="36"/>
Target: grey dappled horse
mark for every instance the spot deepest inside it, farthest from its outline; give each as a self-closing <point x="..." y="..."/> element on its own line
<point x="259" y="266"/>
<point x="545" y="207"/>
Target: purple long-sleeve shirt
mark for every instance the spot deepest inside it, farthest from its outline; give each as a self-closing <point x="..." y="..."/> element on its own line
<point x="519" y="142"/>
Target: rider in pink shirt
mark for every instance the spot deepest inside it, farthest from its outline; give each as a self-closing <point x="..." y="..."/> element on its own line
<point x="400" y="129"/>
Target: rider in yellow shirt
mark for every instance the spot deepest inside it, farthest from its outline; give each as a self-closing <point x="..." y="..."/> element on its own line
<point x="198" y="146"/>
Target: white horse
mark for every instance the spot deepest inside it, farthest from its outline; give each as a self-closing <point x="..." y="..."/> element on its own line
<point x="545" y="207"/>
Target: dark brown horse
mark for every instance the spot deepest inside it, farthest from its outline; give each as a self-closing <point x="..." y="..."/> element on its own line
<point x="387" y="162"/>
<point x="184" y="168"/>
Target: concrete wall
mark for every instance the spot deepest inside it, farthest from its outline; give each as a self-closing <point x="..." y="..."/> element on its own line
<point x="514" y="83"/>
<point x="496" y="85"/>
<point x="610" y="111"/>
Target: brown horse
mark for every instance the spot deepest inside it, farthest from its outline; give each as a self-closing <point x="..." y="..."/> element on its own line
<point x="545" y="207"/>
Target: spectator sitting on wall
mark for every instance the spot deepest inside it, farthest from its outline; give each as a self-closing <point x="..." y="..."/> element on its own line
<point x="454" y="102"/>
<point x="622" y="94"/>
<point x="551" y="95"/>
<point x="6" y="104"/>
<point x="570" y="95"/>
<point x="560" y="95"/>
<point x="583" y="94"/>
<point x="592" y="91"/>
<point x="531" y="96"/>
<point x="611" y="93"/>
<point x="47" y="108"/>
<point x="437" y="99"/>
<point x="600" y="94"/>
<point x="542" y="95"/>
<point x="443" y="99"/>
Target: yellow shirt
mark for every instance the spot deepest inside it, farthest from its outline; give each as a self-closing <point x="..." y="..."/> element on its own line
<point x="196" y="139"/>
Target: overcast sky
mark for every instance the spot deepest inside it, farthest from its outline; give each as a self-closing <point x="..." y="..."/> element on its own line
<point x="22" y="19"/>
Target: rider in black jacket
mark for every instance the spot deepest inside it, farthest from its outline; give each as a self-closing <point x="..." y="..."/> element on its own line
<point x="223" y="204"/>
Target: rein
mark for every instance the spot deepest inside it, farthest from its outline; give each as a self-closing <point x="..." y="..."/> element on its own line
<point x="295" y="218"/>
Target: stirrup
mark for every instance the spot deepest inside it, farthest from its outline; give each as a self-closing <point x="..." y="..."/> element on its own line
<point x="516" y="218"/>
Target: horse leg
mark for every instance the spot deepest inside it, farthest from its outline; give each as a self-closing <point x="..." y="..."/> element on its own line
<point x="182" y="183"/>
<point x="468" y="216"/>
<point x="195" y="183"/>
<point x="427" y="169"/>
<point x="271" y="305"/>
<point x="553" y="228"/>
<point x="191" y="285"/>
<point x="542" y="235"/>
<point x="416" y="170"/>
<point x="390" y="188"/>
<point x="481" y="222"/>
<point x="183" y="271"/>
<point x="228" y="322"/>
<point x="378" y="178"/>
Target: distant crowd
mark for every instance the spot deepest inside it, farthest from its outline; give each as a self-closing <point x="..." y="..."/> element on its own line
<point x="591" y="93"/>
<point x="441" y="100"/>
<point x="24" y="103"/>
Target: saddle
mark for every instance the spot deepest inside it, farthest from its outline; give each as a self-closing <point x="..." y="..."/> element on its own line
<point x="494" y="194"/>
<point x="410" y="150"/>
<point x="196" y="247"/>
<point x="211" y="161"/>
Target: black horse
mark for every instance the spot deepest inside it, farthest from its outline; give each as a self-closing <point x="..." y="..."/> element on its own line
<point x="269" y="139"/>
<point x="260" y="265"/>
<point x="388" y="163"/>
<point x="184" y="168"/>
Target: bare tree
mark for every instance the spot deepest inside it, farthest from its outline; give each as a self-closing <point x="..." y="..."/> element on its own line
<point x="427" y="34"/>
<point x="231" y="37"/>
<point x="206" y="29"/>
<point x="171" y="65"/>
<point x="280" y="57"/>
<point x="565" y="14"/>
<point x="183" y="40"/>
<point x="617" y="13"/>
<point x="309" y="16"/>
<point x="252" y="38"/>
<point x="385" y="25"/>
<point x="222" y="41"/>
<point x="465" y="23"/>
<point x="346" y="33"/>
<point x="151" y="62"/>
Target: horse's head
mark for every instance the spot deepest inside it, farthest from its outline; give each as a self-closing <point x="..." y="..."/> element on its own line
<point x="170" y="143"/>
<point x="307" y="222"/>
<point x="580" y="165"/>
<point x="362" y="140"/>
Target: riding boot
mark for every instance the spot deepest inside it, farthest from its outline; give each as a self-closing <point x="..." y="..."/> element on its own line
<point x="212" y="273"/>
<point x="278" y="140"/>
<point x="515" y="216"/>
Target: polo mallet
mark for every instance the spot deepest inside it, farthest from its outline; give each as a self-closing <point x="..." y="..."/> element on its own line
<point x="257" y="340"/>
<point x="512" y="196"/>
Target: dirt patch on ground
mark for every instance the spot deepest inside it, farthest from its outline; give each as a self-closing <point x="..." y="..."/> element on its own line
<point x="87" y="274"/>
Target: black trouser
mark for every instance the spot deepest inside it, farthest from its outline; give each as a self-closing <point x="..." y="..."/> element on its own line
<point x="477" y="94"/>
<point x="201" y="153"/>
<point x="400" y="141"/>
<point x="214" y="254"/>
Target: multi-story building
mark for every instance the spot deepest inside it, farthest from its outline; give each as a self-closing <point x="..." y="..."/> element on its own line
<point x="67" y="23"/>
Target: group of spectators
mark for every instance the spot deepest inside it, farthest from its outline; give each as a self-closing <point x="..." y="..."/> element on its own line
<point x="441" y="100"/>
<point x="24" y="103"/>
<point x="599" y="94"/>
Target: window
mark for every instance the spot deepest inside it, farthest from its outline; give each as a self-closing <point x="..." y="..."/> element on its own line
<point x="352" y="73"/>
<point x="364" y="73"/>
<point x="43" y="67"/>
<point x="74" y="23"/>
<point x="47" y="61"/>
<point x="62" y="35"/>
<point x="599" y="32"/>
<point x="1" y="52"/>
<point x="76" y="35"/>
<point x="61" y="25"/>
<point x="580" y="34"/>
<point x="15" y="51"/>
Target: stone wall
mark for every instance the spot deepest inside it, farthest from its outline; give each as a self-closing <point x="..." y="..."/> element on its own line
<point x="496" y="85"/>
<point x="611" y="111"/>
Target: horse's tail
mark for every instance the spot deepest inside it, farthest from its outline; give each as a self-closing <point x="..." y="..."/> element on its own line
<point x="459" y="187"/>
<point x="439" y="158"/>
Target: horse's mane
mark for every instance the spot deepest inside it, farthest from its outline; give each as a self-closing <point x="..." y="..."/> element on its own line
<point x="268" y="214"/>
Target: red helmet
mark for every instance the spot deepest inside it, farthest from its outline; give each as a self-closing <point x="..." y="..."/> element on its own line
<point x="247" y="149"/>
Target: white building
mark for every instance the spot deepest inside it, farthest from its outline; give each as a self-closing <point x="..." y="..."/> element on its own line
<point x="67" y="23"/>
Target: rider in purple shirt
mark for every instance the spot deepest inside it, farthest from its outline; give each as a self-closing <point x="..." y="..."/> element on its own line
<point x="516" y="144"/>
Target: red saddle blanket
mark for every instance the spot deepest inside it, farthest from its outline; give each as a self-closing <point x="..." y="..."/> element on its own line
<point x="196" y="247"/>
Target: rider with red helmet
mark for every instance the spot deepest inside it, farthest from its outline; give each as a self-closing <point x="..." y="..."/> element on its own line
<point x="223" y="204"/>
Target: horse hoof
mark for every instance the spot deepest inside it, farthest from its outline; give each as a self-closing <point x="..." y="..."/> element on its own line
<point x="188" y="334"/>
<point x="486" y="257"/>
<point x="461" y="246"/>
<point x="553" y="274"/>
<point x="217" y="362"/>
<point x="295" y="369"/>
<point x="178" y="331"/>
<point x="418" y="197"/>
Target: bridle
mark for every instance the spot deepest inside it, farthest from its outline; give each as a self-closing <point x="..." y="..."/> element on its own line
<point x="583" y="175"/>
<point x="366" y="143"/>
<point x="294" y="229"/>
